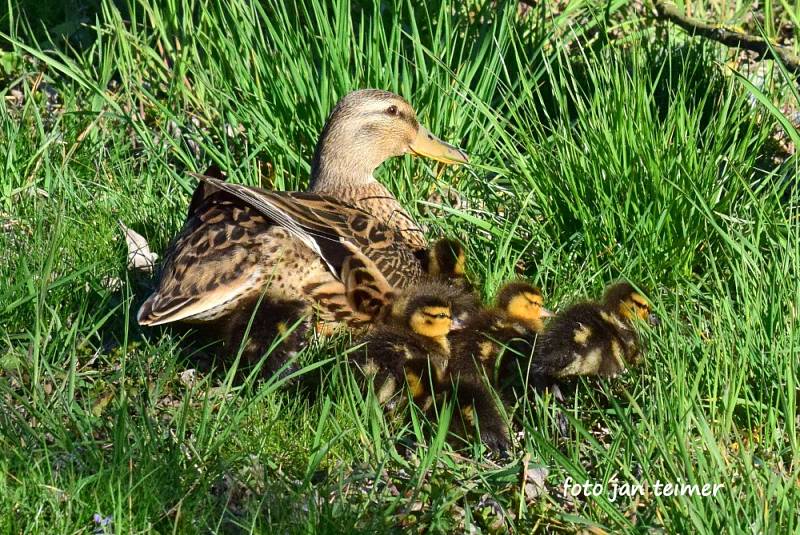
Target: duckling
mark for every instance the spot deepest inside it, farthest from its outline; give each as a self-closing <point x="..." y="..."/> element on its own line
<point x="490" y="347"/>
<point x="464" y="304"/>
<point x="446" y="259"/>
<point x="409" y="345"/>
<point x="281" y="326"/>
<point x="413" y="348"/>
<point x="240" y="242"/>
<point x="593" y="338"/>
<point x="493" y="341"/>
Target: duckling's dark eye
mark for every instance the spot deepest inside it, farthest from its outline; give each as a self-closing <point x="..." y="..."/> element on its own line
<point x="392" y="110"/>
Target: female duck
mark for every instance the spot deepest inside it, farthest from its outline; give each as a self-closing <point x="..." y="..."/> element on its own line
<point x="244" y="245"/>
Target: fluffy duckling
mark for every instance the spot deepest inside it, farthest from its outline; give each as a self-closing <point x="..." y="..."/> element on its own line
<point x="408" y="347"/>
<point x="493" y="340"/>
<point x="412" y="347"/>
<point x="282" y="324"/>
<point x="491" y="345"/>
<point x="446" y="259"/>
<point x="593" y="338"/>
<point x="464" y="304"/>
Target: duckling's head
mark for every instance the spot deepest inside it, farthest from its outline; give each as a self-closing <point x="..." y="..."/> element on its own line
<point x="365" y="128"/>
<point x="447" y="259"/>
<point x="624" y="299"/>
<point x="523" y="302"/>
<point x="462" y="303"/>
<point x="429" y="316"/>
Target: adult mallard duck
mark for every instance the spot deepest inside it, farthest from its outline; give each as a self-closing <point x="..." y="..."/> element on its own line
<point x="347" y="234"/>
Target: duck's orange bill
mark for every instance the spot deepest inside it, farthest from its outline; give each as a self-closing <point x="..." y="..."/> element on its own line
<point x="430" y="146"/>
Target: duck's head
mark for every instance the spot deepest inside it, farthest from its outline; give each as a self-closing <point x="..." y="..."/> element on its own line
<point x="365" y="128"/>
<point x="429" y="316"/>
<point x="625" y="300"/>
<point x="446" y="259"/>
<point x="523" y="302"/>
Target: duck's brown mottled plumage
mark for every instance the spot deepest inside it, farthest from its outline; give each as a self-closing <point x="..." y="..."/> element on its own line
<point x="230" y="251"/>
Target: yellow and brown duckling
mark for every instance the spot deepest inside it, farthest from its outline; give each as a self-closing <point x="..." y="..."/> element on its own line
<point x="446" y="260"/>
<point x="240" y="243"/>
<point x="487" y="355"/>
<point x="408" y="347"/>
<point x="413" y="349"/>
<point x="494" y="340"/>
<point x="593" y="338"/>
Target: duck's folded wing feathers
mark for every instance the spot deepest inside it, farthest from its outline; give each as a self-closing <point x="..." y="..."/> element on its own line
<point x="207" y="266"/>
<point x="272" y="206"/>
<point x="336" y="232"/>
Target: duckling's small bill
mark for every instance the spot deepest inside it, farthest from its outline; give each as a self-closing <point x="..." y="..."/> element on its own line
<point x="430" y="146"/>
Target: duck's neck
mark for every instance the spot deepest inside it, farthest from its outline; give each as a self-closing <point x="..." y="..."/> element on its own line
<point x="337" y="167"/>
<point x="339" y="171"/>
<point x="332" y="180"/>
<point x="443" y="343"/>
<point x="537" y="326"/>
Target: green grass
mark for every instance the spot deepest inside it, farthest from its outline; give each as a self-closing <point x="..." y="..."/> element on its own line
<point x="597" y="155"/>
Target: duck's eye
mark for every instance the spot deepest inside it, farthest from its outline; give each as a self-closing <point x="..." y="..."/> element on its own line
<point x="392" y="110"/>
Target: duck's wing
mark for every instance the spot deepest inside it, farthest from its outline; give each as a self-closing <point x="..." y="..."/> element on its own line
<point x="211" y="264"/>
<point x="203" y="190"/>
<point x="370" y="258"/>
<point x="366" y="289"/>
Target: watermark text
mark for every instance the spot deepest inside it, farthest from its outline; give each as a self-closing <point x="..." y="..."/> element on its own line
<point x="615" y="490"/>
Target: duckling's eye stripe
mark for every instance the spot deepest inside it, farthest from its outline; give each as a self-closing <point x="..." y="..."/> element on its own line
<point x="532" y="298"/>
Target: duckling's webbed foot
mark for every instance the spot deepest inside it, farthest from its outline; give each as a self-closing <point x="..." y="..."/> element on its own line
<point x="477" y="408"/>
<point x="497" y="443"/>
